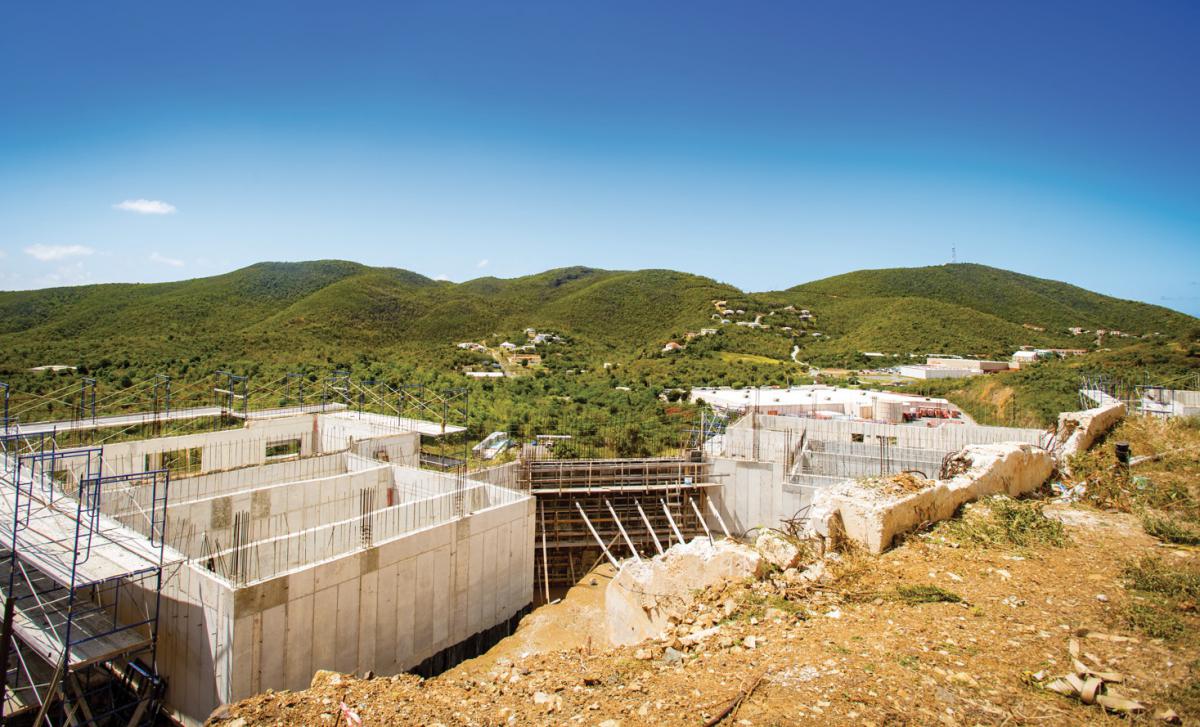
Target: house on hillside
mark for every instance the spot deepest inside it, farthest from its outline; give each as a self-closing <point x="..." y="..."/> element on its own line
<point x="672" y="346"/>
<point x="508" y="346"/>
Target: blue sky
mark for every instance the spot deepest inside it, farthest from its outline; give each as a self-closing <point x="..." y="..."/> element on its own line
<point x="762" y="144"/>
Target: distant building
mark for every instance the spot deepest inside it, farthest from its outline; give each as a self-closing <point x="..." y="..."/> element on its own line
<point x="978" y="366"/>
<point x="485" y="374"/>
<point x="924" y="371"/>
<point x="671" y="346"/>
<point x="708" y="331"/>
<point x="508" y="346"/>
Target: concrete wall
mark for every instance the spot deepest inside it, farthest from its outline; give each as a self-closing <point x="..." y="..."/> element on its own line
<point x="195" y="641"/>
<point x="274" y="510"/>
<point x="1078" y="430"/>
<point x="184" y="489"/>
<point x="776" y="437"/>
<point x="386" y="608"/>
<point x="753" y="494"/>
<point x="221" y="450"/>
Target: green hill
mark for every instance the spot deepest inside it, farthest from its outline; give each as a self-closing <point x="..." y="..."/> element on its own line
<point x="1009" y="296"/>
<point x="394" y="324"/>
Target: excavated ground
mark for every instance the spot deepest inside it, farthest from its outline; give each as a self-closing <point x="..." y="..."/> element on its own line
<point x="847" y="650"/>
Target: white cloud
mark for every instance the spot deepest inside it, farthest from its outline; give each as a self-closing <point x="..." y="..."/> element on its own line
<point x="146" y="207"/>
<point x="47" y="253"/>
<point x="442" y="276"/>
<point x="482" y="263"/>
<point x="164" y="260"/>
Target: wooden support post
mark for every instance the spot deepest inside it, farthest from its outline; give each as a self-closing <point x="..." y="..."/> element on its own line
<point x="701" y="519"/>
<point x="545" y="557"/>
<point x="646" y="520"/>
<point x="674" y="527"/>
<point x="592" y="530"/>
<point x="720" y="519"/>
<point x="624" y="534"/>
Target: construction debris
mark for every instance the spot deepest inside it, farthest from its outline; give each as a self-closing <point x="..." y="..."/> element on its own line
<point x="1090" y="685"/>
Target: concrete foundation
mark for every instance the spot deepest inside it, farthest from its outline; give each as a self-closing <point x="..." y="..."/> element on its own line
<point x="313" y="542"/>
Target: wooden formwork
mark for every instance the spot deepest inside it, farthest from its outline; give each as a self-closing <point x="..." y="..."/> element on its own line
<point x="563" y="487"/>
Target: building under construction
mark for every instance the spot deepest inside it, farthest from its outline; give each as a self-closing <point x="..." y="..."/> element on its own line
<point x="589" y="509"/>
<point x="179" y="571"/>
<point x="191" y="553"/>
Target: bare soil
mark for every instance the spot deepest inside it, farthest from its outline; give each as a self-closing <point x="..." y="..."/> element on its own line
<point x="845" y="651"/>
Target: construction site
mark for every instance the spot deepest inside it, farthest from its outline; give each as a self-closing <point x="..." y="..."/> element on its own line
<point x="175" y="573"/>
<point x="175" y="559"/>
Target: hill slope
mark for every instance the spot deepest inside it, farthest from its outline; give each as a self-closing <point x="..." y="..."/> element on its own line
<point x="1010" y="296"/>
<point x="338" y="312"/>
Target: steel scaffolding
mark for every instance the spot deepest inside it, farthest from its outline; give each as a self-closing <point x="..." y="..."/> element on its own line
<point x="81" y="591"/>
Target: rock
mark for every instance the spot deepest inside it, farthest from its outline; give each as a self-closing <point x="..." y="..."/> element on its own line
<point x="749" y="642"/>
<point x="220" y="713"/>
<point x="323" y="678"/>
<point x="239" y="722"/>
<point x="552" y="702"/>
<point x="777" y="549"/>
<point x="642" y="654"/>
<point x="814" y="573"/>
<point x="610" y="723"/>
<point x="672" y="656"/>
<point x="774" y="613"/>
<point x="1101" y="598"/>
<point x="640" y="599"/>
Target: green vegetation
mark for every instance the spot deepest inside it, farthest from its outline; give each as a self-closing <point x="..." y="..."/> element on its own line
<point x="395" y="326"/>
<point x="1159" y="595"/>
<point x="1004" y="295"/>
<point x="1001" y="521"/>
<point x="1164" y="491"/>
<point x="1170" y="529"/>
<point x="925" y="593"/>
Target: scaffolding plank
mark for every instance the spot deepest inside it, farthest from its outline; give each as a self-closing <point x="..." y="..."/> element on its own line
<point x="48" y="542"/>
<point x="40" y="620"/>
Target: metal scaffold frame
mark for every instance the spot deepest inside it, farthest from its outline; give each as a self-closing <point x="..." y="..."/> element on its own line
<point x="231" y="388"/>
<point x="81" y="592"/>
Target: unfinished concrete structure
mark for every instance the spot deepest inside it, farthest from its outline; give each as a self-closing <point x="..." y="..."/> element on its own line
<point x="770" y="467"/>
<point x="291" y="544"/>
<point x="631" y="507"/>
